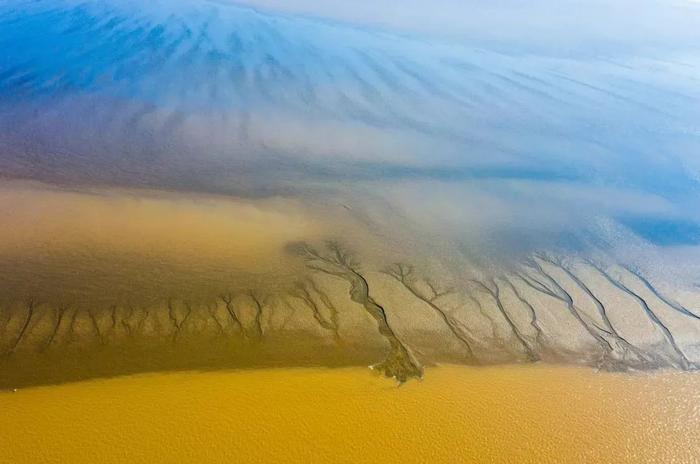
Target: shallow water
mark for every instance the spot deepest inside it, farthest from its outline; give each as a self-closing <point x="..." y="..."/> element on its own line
<point x="456" y="414"/>
<point x="210" y="185"/>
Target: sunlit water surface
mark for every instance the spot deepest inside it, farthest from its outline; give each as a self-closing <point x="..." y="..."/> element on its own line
<point x="531" y="414"/>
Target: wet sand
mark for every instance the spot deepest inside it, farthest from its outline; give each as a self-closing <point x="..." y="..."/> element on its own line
<point x="530" y="413"/>
<point x="104" y="282"/>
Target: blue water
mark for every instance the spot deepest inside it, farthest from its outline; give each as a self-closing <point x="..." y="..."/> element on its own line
<point x="200" y="96"/>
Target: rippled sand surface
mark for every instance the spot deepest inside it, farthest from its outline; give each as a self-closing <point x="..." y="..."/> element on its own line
<point x="456" y="414"/>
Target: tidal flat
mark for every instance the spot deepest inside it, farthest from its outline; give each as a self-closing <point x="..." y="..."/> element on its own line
<point x="166" y="282"/>
<point x="302" y="230"/>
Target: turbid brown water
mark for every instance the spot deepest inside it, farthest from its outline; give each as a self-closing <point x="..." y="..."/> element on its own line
<point x="527" y="414"/>
<point x="189" y="188"/>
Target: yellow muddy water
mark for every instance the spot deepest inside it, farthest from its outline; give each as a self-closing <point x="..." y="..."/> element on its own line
<point x="456" y="414"/>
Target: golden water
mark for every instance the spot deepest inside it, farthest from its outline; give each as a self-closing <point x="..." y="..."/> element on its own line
<point x="456" y="414"/>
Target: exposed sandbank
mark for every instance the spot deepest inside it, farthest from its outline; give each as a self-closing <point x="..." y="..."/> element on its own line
<point x="104" y="282"/>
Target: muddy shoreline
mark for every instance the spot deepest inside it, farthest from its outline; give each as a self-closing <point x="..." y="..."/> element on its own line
<point x="396" y="320"/>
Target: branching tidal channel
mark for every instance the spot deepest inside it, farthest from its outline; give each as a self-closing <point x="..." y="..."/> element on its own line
<point x="549" y="309"/>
